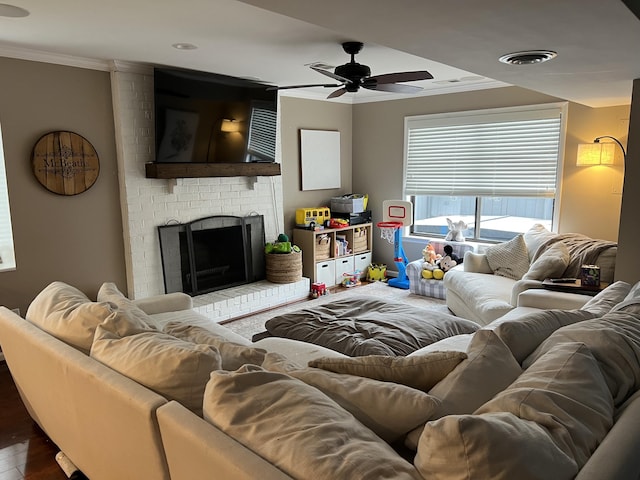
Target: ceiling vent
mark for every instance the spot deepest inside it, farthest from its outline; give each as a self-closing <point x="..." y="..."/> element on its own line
<point x="528" y="58"/>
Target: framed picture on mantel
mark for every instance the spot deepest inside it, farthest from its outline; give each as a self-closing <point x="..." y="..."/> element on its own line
<point x="320" y="159"/>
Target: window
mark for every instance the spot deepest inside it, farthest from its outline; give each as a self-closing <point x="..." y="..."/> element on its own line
<point x="497" y="170"/>
<point x="7" y="256"/>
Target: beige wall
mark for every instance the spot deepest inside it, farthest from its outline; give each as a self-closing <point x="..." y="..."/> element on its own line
<point x="296" y="114"/>
<point x="588" y="204"/>
<point x="76" y="239"/>
<point x="628" y="260"/>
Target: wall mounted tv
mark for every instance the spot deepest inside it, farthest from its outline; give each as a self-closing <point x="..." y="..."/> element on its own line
<point x="209" y="118"/>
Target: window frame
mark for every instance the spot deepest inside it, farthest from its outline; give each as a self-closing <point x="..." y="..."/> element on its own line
<point x="7" y="243"/>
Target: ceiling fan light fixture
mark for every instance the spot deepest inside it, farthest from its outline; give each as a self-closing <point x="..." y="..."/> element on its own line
<point x="529" y="57"/>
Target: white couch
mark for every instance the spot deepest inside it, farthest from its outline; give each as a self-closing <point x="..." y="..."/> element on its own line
<point x="486" y="285"/>
<point x="264" y="422"/>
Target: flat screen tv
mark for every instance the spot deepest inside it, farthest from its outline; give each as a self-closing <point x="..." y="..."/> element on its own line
<point x="209" y="118"/>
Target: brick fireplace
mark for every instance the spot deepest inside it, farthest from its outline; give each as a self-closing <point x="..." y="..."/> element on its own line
<point x="149" y="203"/>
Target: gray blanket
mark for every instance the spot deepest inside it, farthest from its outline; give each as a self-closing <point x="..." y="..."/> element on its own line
<point x="367" y="326"/>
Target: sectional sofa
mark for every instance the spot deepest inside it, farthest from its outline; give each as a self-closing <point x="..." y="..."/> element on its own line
<point x="152" y="390"/>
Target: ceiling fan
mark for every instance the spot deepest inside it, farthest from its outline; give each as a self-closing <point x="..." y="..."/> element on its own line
<point x="353" y="75"/>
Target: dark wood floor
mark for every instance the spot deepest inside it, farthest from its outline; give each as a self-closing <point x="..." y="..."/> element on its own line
<point x="25" y="451"/>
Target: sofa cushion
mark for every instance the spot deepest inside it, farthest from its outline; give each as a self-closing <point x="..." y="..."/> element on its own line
<point x="614" y="340"/>
<point x="191" y="317"/>
<point x="421" y="371"/>
<point x="523" y="335"/>
<point x="608" y="298"/>
<point x="109" y="292"/>
<point x="171" y="367"/>
<point x="551" y="264"/>
<point x="488" y="369"/>
<point x="232" y="354"/>
<point x="389" y="409"/>
<point x="509" y="259"/>
<point x="66" y="313"/>
<point x="564" y="392"/>
<point x="631" y="302"/>
<point x="298" y="428"/>
<point x="496" y="446"/>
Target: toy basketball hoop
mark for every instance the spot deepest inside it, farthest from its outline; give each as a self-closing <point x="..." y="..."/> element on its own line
<point x="388" y="230"/>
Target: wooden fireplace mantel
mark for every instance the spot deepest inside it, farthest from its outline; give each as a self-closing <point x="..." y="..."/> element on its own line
<point x="193" y="170"/>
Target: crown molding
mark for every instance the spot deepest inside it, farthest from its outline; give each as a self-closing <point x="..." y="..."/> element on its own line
<point x="55" y="58"/>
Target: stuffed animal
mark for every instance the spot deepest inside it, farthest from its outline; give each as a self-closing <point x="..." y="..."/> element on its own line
<point x="447" y="263"/>
<point x="455" y="231"/>
<point x="429" y="254"/>
<point x="431" y="271"/>
<point x="448" y="250"/>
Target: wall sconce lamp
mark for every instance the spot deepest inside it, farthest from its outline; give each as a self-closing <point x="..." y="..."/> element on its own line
<point x="230" y="125"/>
<point x="597" y="153"/>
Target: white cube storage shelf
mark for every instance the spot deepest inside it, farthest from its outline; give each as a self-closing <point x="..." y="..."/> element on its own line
<point x="329" y="267"/>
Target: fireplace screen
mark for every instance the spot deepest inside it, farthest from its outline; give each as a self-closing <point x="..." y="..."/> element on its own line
<point x="212" y="253"/>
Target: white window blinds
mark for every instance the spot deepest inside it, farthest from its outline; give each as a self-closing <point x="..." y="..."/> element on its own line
<point x="506" y="152"/>
<point x="7" y="256"/>
<point x="262" y="134"/>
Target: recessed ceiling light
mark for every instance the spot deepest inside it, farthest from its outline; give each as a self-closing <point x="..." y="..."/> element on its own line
<point x="184" y="46"/>
<point x="7" y="10"/>
<point x="528" y="58"/>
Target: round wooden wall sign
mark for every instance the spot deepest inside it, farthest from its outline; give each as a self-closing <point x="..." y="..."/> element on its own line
<point x="65" y="163"/>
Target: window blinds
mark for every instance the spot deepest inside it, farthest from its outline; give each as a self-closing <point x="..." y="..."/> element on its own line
<point x="262" y="134"/>
<point x="7" y="258"/>
<point x="484" y="153"/>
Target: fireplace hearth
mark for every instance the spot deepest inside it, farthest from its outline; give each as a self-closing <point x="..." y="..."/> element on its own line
<point x="212" y="253"/>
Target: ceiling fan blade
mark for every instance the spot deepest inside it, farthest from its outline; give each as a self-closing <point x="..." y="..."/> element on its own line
<point x="286" y="87"/>
<point x="329" y="74"/>
<point x="401" y="77"/>
<point x="337" y="93"/>
<point x="392" y="87"/>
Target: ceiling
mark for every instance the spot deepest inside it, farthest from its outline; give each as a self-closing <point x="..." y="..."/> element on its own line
<point x="458" y="41"/>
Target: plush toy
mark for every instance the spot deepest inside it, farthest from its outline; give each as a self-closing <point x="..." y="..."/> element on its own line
<point x="447" y="263"/>
<point x="431" y="271"/>
<point x="455" y="231"/>
<point x="429" y="254"/>
<point x="448" y="250"/>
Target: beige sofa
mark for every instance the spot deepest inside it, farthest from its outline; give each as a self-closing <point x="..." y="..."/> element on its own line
<point x="274" y="418"/>
<point x="487" y="284"/>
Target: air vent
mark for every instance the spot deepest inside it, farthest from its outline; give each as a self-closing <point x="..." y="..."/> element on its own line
<point x="528" y="58"/>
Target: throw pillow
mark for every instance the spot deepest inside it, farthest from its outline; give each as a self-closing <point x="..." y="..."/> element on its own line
<point x="631" y="302"/>
<point x="233" y="355"/>
<point x="389" y="409"/>
<point x="524" y="334"/>
<point x="66" y="313"/>
<point x="564" y="392"/>
<point x="109" y="292"/>
<point x="173" y="368"/>
<point x="551" y="264"/>
<point x="420" y="372"/>
<point x="509" y="259"/>
<point x="536" y="237"/>
<point x="298" y="428"/>
<point x="499" y="446"/>
<point x="488" y="369"/>
<point x="607" y="299"/>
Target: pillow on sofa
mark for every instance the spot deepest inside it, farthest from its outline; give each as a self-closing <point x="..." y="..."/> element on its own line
<point x="233" y="354"/>
<point x="499" y="446"/>
<point x="487" y="370"/>
<point x="389" y="409"/>
<point x="564" y="392"/>
<point x="608" y="298"/>
<point x="66" y="313"/>
<point x="109" y="292"/>
<point x="298" y="428"/>
<point x="631" y="302"/>
<point x="614" y="340"/>
<point x="173" y="368"/>
<point x="524" y="334"/>
<point x="551" y="264"/>
<point x="420" y="372"/>
<point x="509" y="259"/>
<point x="535" y="237"/>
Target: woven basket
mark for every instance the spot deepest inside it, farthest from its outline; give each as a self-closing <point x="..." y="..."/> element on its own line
<point x="360" y="241"/>
<point x="323" y="247"/>
<point x="283" y="267"/>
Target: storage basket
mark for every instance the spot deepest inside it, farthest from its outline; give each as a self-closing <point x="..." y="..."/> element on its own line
<point x="323" y="247"/>
<point x="360" y="240"/>
<point x="284" y="267"/>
